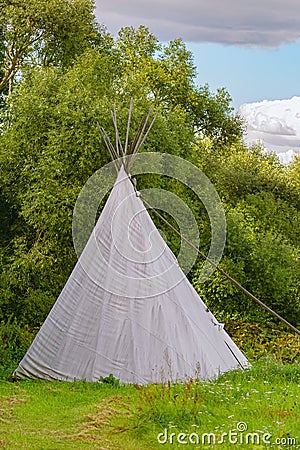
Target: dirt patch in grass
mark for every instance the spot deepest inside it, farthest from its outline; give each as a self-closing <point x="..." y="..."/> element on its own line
<point x="105" y="422"/>
<point x="7" y="407"/>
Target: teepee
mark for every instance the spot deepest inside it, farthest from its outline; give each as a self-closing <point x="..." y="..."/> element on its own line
<point x="127" y="308"/>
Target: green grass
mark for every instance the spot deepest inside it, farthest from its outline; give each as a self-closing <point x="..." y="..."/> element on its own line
<point x="43" y="415"/>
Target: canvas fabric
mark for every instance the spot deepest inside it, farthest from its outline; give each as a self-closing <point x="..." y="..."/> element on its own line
<point x="128" y="310"/>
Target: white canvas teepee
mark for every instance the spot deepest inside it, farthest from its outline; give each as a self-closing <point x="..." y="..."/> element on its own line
<point x="127" y="309"/>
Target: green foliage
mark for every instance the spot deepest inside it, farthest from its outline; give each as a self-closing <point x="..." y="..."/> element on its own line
<point x="263" y="262"/>
<point x="261" y="198"/>
<point x="238" y="171"/>
<point x="214" y="118"/>
<point x="268" y="340"/>
<point x="293" y="172"/>
<point x="110" y="380"/>
<point x="2" y="70"/>
<point x="15" y="341"/>
<point x="166" y="74"/>
<point x="45" y="32"/>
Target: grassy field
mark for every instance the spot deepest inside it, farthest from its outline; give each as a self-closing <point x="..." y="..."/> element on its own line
<point x="257" y="408"/>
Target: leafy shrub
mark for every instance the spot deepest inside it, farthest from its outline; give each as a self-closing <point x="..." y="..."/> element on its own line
<point x="265" y="263"/>
<point x="268" y="340"/>
<point x="15" y="341"/>
<point x="110" y="380"/>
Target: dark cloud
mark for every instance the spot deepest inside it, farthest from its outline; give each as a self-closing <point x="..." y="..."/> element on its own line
<point x="264" y="23"/>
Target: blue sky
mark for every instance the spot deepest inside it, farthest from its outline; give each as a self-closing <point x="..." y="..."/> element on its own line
<point x="249" y="74"/>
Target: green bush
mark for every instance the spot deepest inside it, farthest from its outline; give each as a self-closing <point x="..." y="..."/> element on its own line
<point x="15" y="341"/>
<point x="261" y="260"/>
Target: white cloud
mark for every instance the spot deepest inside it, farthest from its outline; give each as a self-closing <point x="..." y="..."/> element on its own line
<point x="265" y="23"/>
<point x="276" y="124"/>
<point x="286" y="157"/>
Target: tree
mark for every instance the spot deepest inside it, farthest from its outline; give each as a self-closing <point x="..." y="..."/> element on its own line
<point x="263" y="261"/>
<point x="43" y="32"/>
<point x="261" y="197"/>
<point x="168" y="73"/>
<point x="293" y="172"/>
<point x="214" y="117"/>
